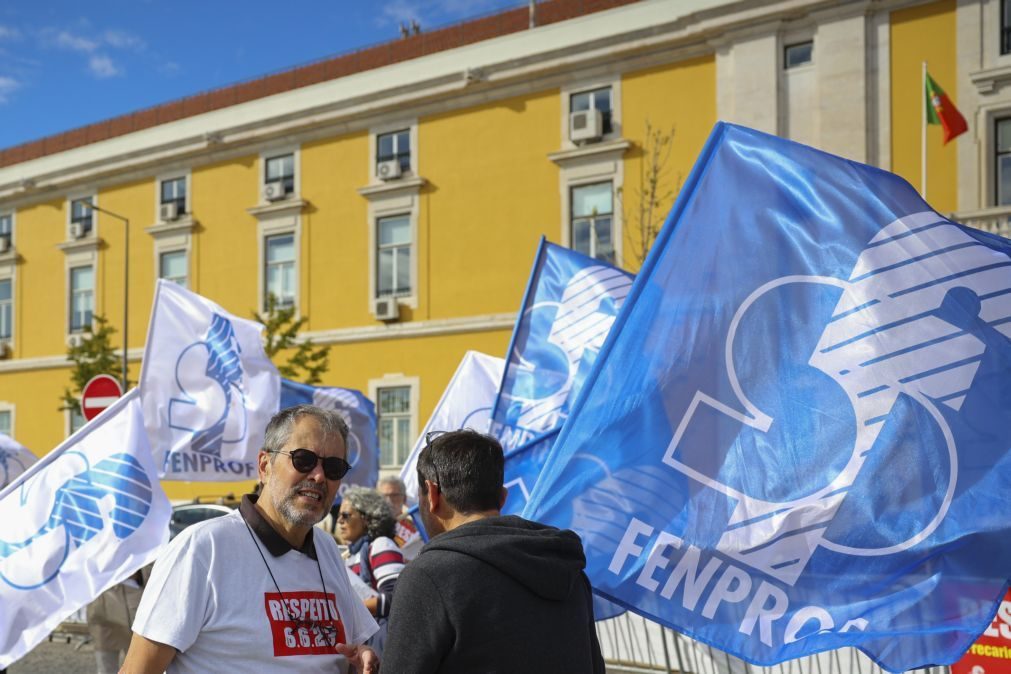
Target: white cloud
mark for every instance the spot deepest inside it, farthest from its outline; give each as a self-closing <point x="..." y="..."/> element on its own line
<point x="8" y="85"/>
<point x="121" y="39"/>
<point x="436" y="12"/>
<point x="67" y="40"/>
<point x="8" y="33"/>
<point x="170" y="68"/>
<point x="102" y="67"/>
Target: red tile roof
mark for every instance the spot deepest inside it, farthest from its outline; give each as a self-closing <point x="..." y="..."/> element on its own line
<point x="368" y="58"/>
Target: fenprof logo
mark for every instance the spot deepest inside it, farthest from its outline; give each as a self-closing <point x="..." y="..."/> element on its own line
<point x="211" y="403"/>
<point x="563" y="339"/>
<point x="911" y="327"/>
<point x="114" y="493"/>
<point x="303" y="623"/>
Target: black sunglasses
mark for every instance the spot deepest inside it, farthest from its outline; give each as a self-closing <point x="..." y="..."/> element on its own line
<point x="304" y="460"/>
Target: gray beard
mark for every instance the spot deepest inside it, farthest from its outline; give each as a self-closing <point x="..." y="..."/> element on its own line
<point x="285" y="506"/>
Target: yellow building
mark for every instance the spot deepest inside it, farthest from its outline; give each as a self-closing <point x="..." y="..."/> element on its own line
<point x="395" y="195"/>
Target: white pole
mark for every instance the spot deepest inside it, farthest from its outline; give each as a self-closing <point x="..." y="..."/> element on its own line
<point x="923" y="133"/>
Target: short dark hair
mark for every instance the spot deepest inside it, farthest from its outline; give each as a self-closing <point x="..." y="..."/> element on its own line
<point x="281" y="425"/>
<point x="468" y="467"/>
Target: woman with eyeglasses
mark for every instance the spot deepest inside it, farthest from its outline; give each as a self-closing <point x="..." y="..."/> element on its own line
<point x="366" y="524"/>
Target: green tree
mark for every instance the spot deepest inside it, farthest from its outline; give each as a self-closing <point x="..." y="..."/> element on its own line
<point x="93" y="355"/>
<point x="307" y="362"/>
<point x="654" y="195"/>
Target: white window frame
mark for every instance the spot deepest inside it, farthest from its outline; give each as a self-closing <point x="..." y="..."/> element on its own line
<point x="275" y="226"/>
<point x="396" y="380"/>
<point x="11" y="409"/>
<point x="296" y="159"/>
<point x="92" y="196"/>
<point x="3" y="278"/>
<point x="569" y="90"/>
<point x="173" y="175"/>
<point x="987" y="117"/>
<point x="403" y="204"/>
<point x="614" y="208"/>
<point x="13" y="217"/>
<point x="294" y="263"/>
<point x="70" y="299"/>
<point x="389" y="127"/>
<point x="412" y="245"/>
<point x="161" y="252"/>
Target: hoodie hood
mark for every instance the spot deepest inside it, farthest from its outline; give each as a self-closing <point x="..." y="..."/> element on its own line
<point x="546" y="560"/>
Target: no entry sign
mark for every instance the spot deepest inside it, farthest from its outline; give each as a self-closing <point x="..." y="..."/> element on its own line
<point x="100" y="392"/>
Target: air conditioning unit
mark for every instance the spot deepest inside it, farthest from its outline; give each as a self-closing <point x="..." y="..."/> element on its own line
<point x="387" y="309"/>
<point x="168" y="212"/>
<point x="75" y="340"/>
<point x="586" y="126"/>
<point x="5" y="244"/>
<point x="273" y="191"/>
<point x="77" y="230"/>
<point x="388" y="170"/>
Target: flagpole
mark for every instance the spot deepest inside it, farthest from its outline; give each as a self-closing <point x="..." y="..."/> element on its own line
<point x="923" y="132"/>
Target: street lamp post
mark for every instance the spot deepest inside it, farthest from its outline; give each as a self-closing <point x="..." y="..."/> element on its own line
<point x="126" y="280"/>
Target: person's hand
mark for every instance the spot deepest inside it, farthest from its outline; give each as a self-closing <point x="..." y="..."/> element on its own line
<point x="363" y="658"/>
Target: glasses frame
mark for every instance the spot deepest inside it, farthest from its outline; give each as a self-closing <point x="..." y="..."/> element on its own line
<point x="346" y="517"/>
<point x="429" y="437"/>
<point x="343" y="467"/>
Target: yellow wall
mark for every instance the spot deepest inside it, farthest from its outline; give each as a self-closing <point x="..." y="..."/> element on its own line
<point x="334" y="284"/>
<point x="918" y="34"/>
<point x="681" y="98"/>
<point x="480" y="225"/>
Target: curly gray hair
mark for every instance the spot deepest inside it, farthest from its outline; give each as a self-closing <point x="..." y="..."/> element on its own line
<point x="374" y="509"/>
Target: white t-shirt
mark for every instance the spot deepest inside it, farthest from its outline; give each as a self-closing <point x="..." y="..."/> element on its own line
<point x="211" y="598"/>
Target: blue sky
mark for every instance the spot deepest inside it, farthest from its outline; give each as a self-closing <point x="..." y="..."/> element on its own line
<point x="65" y="64"/>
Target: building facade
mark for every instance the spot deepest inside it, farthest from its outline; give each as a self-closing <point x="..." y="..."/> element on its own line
<point x="395" y="195"/>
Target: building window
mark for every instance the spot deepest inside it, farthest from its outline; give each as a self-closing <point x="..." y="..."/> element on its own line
<point x="281" y="169"/>
<point x="81" y="214"/>
<point x="394" y="146"/>
<point x="279" y="274"/>
<point x="5" y="422"/>
<point x="172" y="267"/>
<point x="1005" y="27"/>
<point x="1002" y="161"/>
<point x="6" y="230"/>
<point x="394" y="424"/>
<point x="77" y="419"/>
<point x="598" y="99"/>
<point x="394" y="255"/>
<point x="592" y="221"/>
<point x="173" y="191"/>
<point x="6" y="309"/>
<point x="796" y="55"/>
<point x="82" y="298"/>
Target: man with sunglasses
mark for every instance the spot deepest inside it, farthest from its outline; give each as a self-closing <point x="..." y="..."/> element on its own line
<point x="488" y="593"/>
<point x="254" y="590"/>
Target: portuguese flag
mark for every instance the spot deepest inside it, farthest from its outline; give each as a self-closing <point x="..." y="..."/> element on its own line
<point x="940" y="110"/>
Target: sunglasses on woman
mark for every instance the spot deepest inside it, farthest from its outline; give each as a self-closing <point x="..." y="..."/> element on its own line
<point x="305" y="460"/>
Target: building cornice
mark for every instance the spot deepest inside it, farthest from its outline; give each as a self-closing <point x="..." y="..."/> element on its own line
<point x="392" y="188"/>
<point x="554" y="51"/>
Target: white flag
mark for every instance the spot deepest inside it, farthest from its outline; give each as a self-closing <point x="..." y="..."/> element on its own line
<point x="14" y="459"/>
<point x="207" y="387"/>
<point x="466" y="403"/>
<point x="76" y="523"/>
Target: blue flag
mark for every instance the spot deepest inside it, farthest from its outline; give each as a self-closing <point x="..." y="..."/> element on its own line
<point x="522" y="468"/>
<point x="796" y="438"/>
<point x="569" y="306"/>
<point x="360" y="415"/>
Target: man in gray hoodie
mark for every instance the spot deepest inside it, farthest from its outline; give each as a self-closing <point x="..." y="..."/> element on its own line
<point x="488" y="593"/>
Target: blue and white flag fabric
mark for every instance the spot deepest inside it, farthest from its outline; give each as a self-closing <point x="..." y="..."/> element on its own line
<point x="208" y="389"/>
<point x="797" y="437"/>
<point x="569" y="306"/>
<point x="360" y="415"/>
<point x="76" y="523"/>
<point x="466" y="403"/>
<point x="522" y="468"/>
<point x="14" y="459"/>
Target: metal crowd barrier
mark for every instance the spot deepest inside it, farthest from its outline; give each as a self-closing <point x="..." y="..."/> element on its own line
<point x="633" y="645"/>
